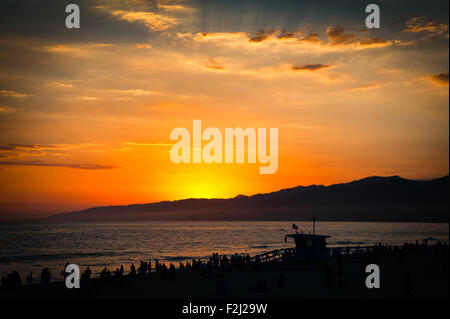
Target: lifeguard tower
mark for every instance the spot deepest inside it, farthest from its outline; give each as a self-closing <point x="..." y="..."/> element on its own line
<point x="310" y="247"/>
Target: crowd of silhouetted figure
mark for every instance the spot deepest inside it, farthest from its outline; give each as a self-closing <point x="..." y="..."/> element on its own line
<point x="436" y="254"/>
<point x="216" y="265"/>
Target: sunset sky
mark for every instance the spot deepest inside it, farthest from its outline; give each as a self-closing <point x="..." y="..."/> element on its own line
<point x="86" y="114"/>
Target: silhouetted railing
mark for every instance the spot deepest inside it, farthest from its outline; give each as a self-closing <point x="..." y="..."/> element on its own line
<point x="350" y="250"/>
<point x="274" y="255"/>
<point x="279" y="254"/>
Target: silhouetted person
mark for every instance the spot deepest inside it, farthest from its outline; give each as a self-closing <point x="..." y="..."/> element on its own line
<point x="63" y="272"/>
<point x="86" y="275"/>
<point x="29" y="279"/>
<point x="143" y="268"/>
<point x="104" y="274"/>
<point x="202" y="267"/>
<point x="118" y="273"/>
<point x="149" y="267"/>
<point x="12" y="280"/>
<point x="257" y="264"/>
<point x="171" y="270"/>
<point x="164" y="271"/>
<point x="45" y="276"/>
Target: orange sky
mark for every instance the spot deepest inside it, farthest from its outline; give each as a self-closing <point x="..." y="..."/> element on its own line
<point x="86" y="120"/>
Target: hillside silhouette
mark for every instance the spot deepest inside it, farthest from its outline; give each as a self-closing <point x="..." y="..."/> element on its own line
<point x="369" y="199"/>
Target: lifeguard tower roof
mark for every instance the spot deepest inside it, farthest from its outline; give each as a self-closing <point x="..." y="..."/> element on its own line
<point x="306" y="236"/>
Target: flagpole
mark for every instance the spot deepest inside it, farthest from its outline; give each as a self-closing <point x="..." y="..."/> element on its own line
<point x="314" y="225"/>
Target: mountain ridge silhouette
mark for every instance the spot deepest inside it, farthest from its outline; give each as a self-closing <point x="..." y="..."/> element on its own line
<point x="373" y="198"/>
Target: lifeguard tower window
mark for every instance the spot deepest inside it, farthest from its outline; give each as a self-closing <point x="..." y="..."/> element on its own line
<point x="310" y="242"/>
<point x="303" y="242"/>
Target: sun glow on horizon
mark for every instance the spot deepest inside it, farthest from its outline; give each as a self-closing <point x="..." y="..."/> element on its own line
<point x="86" y="116"/>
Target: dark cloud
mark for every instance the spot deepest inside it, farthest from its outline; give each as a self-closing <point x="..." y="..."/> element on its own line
<point x="15" y="146"/>
<point x="16" y="150"/>
<point x="366" y="42"/>
<point x="425" y="24"/>
<point x="310" y="67"/>
<point x="285" y="34"/>
<point x="77" y="166"/>
<point x="7" y="148"/>
<point x="337" y="36"/>
<point x="282" y="34"/>
<point x="439" y="79"/>
<point x="310" y="38"/>
<point x="260" y="36"/>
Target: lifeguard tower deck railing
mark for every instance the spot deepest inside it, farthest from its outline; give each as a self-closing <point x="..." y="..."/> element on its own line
<point x="274" y="255"/>
<point x="288" y="254"/>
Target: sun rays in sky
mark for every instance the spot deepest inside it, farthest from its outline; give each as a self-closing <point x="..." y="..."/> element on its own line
<point x="86" y="114"/>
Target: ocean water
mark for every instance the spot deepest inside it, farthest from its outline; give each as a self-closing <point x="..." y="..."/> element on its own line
<point x="31" y="247"/>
